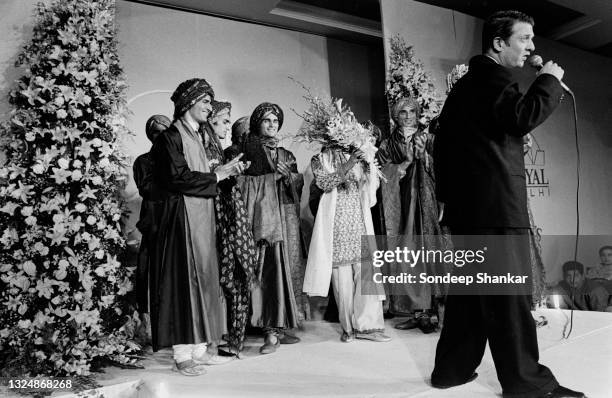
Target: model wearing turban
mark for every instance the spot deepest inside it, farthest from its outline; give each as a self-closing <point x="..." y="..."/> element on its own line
<point x="260" y="112"/>
<point x="240" y="129"/>
<point x="155" y="125"/>
<point x="219" y="108"/>
<point x="188" y="93"/>
<point x="272" y="187"/>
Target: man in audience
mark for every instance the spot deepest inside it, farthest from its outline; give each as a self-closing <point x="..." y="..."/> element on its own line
<point x="602" y="270"/>
<point x="577" y="292"/>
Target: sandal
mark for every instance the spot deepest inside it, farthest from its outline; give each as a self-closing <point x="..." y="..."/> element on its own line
<point x="189" y="368"/>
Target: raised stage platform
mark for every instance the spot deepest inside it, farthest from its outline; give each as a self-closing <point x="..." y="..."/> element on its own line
<point x="322" y="366"/>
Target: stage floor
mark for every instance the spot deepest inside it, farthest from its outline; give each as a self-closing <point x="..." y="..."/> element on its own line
<point x="322" y="366"/>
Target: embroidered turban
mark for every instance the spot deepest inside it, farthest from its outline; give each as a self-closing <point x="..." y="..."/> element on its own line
<point x="219" y="108"/>
<point x="402" y="103"/>
<point x="240" y="129"/>
<point x="188" y="93"/>
<point x="156" y="124"/>
<point x="259" y="113"/>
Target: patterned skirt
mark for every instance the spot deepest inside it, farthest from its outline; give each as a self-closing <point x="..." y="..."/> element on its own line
<point x="349" y="226"/>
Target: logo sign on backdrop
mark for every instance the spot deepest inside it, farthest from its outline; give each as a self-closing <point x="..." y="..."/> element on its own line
<point x="535" y="171"/>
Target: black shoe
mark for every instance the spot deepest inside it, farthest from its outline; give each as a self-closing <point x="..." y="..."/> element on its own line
<point x="407" y="325"/>
<point x="388" y="315"/>
<point x="445" y="386"/>
<point x="286" y="338"/>
<point x="271" y="343"/>
<point x="426" y="325"/>
<point x="563" y="392"/>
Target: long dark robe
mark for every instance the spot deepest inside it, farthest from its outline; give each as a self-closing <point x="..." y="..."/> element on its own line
<point x="273" y="208"/>
<point x="186" y="298"/>
<point x="411" y="218"/>
<point x="147" y="225"/>
<point x="236" y="248"/>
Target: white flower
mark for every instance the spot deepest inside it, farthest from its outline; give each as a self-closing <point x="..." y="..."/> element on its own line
<point x="77" y="164"/>
<point x="61" y="114"/>
<point x="116" y="217"/>
<point x="24" y="323"/>
<point x="99" y="254"/>
<point x="104" y="163"/>
<point x="9" y="208"/>
<point x="60" y="274"/>
<point x="38" y="168"/>
<point x="94" y="243"/>
<point x="80" y="207"/>
<point x="91" y="220"/>
<point x="97" y="180"/>
<point x="31" y="220"/>
<point x="29" y="268"/>
<point x="77" y="175"/>
<point x="63" y="163"/>
<point x="5" y="268"/>
<point x="27" y="211"/>
<point x="30" y="136"/>
<point x="9" y="237"/>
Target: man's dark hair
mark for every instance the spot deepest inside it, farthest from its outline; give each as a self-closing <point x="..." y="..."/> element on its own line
<point x="606" y="247"/>
<point x="573" y="266"/>
<point x="500" y="24"/>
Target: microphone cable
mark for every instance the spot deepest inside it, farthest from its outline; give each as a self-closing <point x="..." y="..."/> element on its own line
<point x="572" y="287"/>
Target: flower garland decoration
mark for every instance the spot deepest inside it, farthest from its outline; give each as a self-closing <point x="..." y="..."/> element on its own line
<point x="455" y="74"/>
<point x="62" y="278"/>
<point x="406" y="77"/>
<point x="331" y="124"/>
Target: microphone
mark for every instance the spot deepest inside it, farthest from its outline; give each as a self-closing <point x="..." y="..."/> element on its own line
<point x="535" y="61"/>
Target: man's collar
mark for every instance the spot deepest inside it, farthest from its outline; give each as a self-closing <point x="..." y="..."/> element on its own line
<point x="490" y="57"/>
<point x="191" y="123"/>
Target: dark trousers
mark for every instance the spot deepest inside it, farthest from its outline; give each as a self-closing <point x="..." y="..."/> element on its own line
<point x="505" y="321"/>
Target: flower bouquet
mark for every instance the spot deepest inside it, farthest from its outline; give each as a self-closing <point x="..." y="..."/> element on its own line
<point x="406" y="77"/>
<point x="454" y="75"/>
<point x="333" y="125"/>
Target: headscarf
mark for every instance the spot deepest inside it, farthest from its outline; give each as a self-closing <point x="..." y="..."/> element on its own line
<point x="259" y="113"/>
<point x="188" y="93"/>
<point x="156" y="124"/>
<point x="402" y="103"/>
<point x="240" y="129"/>
<point x="219" y="108"/>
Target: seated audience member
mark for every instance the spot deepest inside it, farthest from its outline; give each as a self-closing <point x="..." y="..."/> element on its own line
<point x="578" y="292"/>
<point x="603" y="270"/>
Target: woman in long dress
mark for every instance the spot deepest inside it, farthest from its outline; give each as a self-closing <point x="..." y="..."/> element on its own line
<point x="336" y="249"/>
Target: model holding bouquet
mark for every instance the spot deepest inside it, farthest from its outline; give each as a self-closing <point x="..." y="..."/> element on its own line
<point x="348" y="175"/>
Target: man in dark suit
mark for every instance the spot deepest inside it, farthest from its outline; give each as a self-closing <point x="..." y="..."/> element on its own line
<point x="480" y="179"/>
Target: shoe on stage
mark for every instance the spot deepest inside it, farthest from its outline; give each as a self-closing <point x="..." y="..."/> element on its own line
<point x="271" y="343"/>
<point x="378" y="337"/>
<point x="286" y="338"/>
<point x="407" y="325"/>
<point x="563" y="392"/>
<point x="189" y="368"/>
<point x="445" y="386"/>
<point x="346" y="337"/>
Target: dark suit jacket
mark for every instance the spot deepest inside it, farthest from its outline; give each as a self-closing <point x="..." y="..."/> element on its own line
<point x="478" y="153"/>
